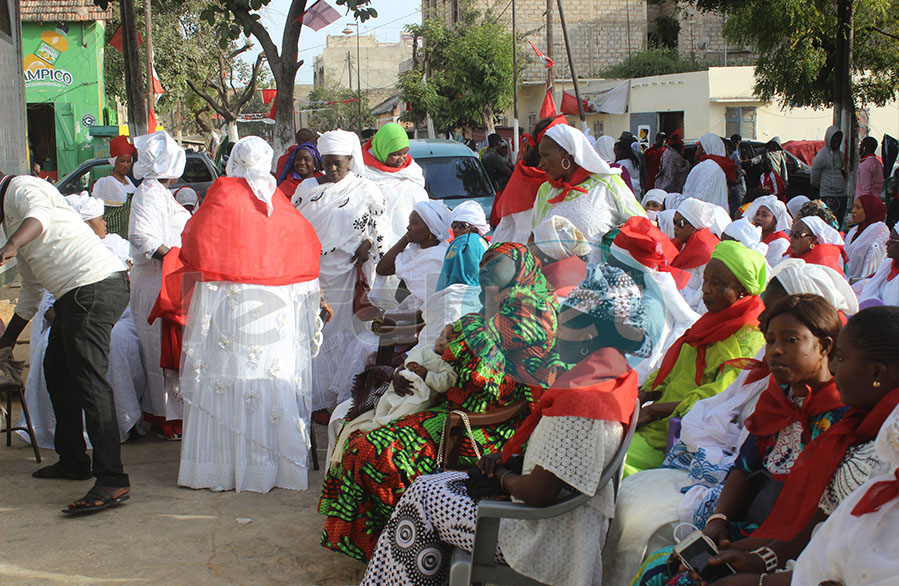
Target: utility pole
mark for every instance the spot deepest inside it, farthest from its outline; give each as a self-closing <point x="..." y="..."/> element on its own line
<point x="137" y="110"/>
<point x="515" y="129"/>
<point x="149" y="48"/>
<point x="550" y="76"/>
<point x="577" y="92"/>
<point x="358" y="80"/>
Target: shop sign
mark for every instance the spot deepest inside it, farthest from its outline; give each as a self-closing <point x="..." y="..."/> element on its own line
<point x="47" y="76"/>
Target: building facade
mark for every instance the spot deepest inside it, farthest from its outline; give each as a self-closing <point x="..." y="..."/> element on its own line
<point x="62" y="45"/>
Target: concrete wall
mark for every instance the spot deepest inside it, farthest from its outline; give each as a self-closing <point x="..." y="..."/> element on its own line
<point x="13" y="147"/>
<point x="380" y="63"/>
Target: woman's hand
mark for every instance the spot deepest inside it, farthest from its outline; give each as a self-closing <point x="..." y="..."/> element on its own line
<point x="362" y="253"/>
<point x="716" y="530"/>
<point x="326" y="312"/>
<point x="742" y="561"/>
<point x="489" y="464"/>
<point x="646" y="415"/>
<point x="401" y="385"/>
<point x="8" y="252"/>
<point x="732" y="580"/>
<point x="417" y="369"/>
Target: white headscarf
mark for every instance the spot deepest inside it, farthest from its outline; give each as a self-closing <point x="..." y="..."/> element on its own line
<point x="707" y="182"/>
<point x="656" y="195"/>
<point x="798" y="276"/>
<point x="88" y="207"/>
<point x="712" y="144"/>
<point x="473" y="214"/>
<point x="665" y="219"/>
<point x="186" y="196"/>
<point x="605" y="148"/>
<point x="699" y="214"/>
<point x="794" y="205"/>
<point x="342" y="142"/>
<point x="578" y="146"/>
<point x="251" y="159"/>
<point x="824" y="233"/>
<point x="747" y="233"/>
<point x="158" y="157"/>
<point x="436" y="215"/>
<point x="558" y="238"/>
<point x="673" y="200"/>
<point x="777" y="207"/>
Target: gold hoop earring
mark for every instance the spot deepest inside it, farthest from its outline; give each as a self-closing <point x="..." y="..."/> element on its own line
<point x="563" y="164"/>
<point x="876" y="384"/>
<point x="811" y="247"/>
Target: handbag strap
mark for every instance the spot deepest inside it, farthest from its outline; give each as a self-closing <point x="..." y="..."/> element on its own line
<point x="474" y="444"/>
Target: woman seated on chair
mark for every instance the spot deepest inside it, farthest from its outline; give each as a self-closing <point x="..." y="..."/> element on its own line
<point x="499" y="356"/>
<point x="573" y="433"/>
<point x="700" y="363"/>
<point x="823" y="470"/>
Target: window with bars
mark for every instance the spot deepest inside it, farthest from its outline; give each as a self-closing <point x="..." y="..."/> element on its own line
<point x="740" y="121"/>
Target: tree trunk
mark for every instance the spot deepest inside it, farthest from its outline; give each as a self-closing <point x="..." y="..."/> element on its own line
<point x="487" y="118"/>
<point x="134" y="86"/>
<point x="233" y="135"/>
<point x="284" y="121"/>
<point x="844" y="114"/>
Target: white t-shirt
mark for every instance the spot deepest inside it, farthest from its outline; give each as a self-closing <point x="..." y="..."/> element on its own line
<point x="112" y="191"/>
<point x="66" y="255"/>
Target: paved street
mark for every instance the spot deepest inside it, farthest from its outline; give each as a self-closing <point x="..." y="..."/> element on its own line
<point x="163" y="534"/>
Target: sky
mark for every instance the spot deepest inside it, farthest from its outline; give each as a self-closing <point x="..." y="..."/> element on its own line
<point x="392" y="16"/>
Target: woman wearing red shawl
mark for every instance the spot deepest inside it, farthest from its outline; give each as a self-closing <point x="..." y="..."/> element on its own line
<point x="883" y="287"/>
<point x="866" y="241"/>
<point x="499" y="359"/>
<point x="817" y="243"/>
<point x="249" y="306"/>
<point x="571" y="435"/>
<point x="700" y="363"/>
<point x="510" y="215"/>
<point x="693" y="221"/>
<point x="836" y="462"/>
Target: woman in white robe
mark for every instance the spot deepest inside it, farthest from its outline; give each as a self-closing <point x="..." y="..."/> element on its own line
<point x="866" y="241"/>
<point x="346" y="210"/>
<point x="251" y="332"/>
<point x="771" y="215"/>
<point x="154" y="227"/>
<point x="883" y="287"/>
<point x="707" y="182"/>
<point x="581" y="187"/>
<point x="652" y="502"/>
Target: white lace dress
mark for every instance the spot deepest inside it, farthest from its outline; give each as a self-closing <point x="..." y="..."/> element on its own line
<point x="436" y="514"/>
<point x="246" y="380"/>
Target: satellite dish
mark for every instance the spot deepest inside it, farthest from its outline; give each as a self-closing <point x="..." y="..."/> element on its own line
<point x="704" y="42"/>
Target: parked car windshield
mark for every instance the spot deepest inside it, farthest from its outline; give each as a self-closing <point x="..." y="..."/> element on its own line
<point x="453" y="177"/>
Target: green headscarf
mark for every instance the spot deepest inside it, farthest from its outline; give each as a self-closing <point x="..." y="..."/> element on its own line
<point x="388" y="139"/>
<point x="748" y="266"/>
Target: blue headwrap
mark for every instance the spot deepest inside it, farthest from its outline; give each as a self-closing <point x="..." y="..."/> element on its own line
<point x="462" y="261"/>
<point x="288" y="164"/>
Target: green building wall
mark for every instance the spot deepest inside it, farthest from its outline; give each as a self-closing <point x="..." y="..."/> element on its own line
<point x="65" y="68"/>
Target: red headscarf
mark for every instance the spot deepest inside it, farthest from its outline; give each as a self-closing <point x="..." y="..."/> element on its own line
<point x="697" y="251"/>
<point x="230" y="238"/>
<point x="816" y="466"/>
<point x="875" y="211"/>
<point x="587" y="390"/>
<point x="774" y="411"/>
<point x="708" y="329"/>
<point x="650" y="247"/>
<point x="120" y="146"/>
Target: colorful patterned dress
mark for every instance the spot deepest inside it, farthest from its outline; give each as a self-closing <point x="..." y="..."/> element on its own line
<point x="499" y="361"/>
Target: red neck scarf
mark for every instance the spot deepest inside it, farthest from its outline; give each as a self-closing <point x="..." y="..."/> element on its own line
<point x="230" y="238"/>
<point x="371" y="161"/>
<point x="816" y="466"/>
<point x="894" y="270"/>
<point x="827" y="255"/>
<point x="727" y="165"/>
<point x="708" y="329"/>
<point x="520" y="191"/>
<point x="564" y="275"/>
<point x="697" y="251"/>
<point x="577" y="177"/>
<point x="594" y="388"/>
<point x="878" y="495"/>
<point x="774" y="236"/>
<point x="775" y="411"/>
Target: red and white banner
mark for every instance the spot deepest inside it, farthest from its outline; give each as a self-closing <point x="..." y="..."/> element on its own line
<point x="547" y="62"/>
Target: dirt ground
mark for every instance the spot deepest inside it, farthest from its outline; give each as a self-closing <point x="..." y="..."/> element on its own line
<point x="164" y="534"/>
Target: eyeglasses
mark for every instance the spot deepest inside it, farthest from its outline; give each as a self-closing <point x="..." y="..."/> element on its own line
<point x="799" y="235"/>
<point x="680" y="223"/>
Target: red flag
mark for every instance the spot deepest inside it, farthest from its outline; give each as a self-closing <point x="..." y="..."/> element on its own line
<point x="547" y="62"/>
<point x="268" y="95"/>
<point x="116" y="40"/>
<point x="151" y="123"/>
<point x="319" y="15"/>
<point x="569" y="104"/>
<point x="548" y="109"/>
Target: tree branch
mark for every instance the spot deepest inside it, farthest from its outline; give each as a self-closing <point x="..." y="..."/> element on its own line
<point x="884" y="33"/>
<point x="256" y="29"/>
<point x="209" y="100"/>
<point x="250" y="90"/>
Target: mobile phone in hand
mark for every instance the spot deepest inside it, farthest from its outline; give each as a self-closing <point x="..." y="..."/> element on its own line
<point x="695" y="550"/>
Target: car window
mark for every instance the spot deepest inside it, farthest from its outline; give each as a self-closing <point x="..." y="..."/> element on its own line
<point x="454" y="177"/>
<point x="196" y="171"/>
<point x="84" y="178"/>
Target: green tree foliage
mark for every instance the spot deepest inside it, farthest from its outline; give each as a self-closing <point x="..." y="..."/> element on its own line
<point x="796" y="41"/>
<point x="657" y="61"/>
<point x="462" y="75"/>
<point x="341" y="112"/>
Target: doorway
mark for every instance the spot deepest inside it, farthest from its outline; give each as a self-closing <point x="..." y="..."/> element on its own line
<point x="670" y="121"/>
<point x="42" y="138"/>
